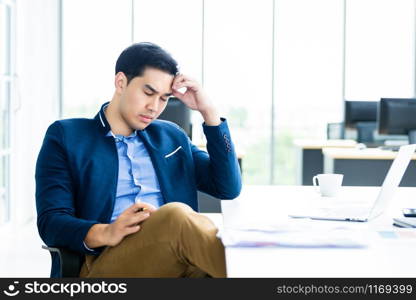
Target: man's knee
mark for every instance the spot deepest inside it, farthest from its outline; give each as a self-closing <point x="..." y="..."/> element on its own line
<point x="170" y="214"/>
<point x="175" y="210"/>
<point x="168" y="220"/>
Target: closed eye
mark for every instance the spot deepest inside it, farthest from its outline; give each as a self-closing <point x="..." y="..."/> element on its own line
<point x="151" y="94"/>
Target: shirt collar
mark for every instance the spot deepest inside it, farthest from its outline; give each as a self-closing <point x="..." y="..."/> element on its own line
<point x="101" y="120"/>
<point x="105" y="126"/>
<point x="120" y="138"/>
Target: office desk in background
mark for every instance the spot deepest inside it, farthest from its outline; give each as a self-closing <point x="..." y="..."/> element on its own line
<point x="389" y="258"/>
<point x="310" y="159"/>
<point x="366" y="167"/>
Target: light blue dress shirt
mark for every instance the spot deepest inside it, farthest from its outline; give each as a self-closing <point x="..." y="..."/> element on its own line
<point x="137" y="180"/>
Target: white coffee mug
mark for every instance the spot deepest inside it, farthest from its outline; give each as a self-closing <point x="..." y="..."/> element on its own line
<point x="329" y="184"/>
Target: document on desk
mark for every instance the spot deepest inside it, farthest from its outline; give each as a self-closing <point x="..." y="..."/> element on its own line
<point x="289" y="236"/>
<point x="244" y="227"/>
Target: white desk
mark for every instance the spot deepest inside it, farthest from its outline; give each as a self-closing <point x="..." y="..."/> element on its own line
<point x="389" y="258"/>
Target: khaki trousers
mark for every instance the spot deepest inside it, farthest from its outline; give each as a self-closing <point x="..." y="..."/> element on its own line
<point x="174" y="241"/>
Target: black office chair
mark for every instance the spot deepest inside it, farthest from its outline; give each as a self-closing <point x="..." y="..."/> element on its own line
<point x="70" y="261"/>
<point x="178" y="113"/>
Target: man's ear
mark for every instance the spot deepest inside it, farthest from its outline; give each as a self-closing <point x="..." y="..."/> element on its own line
<point x="120" y="82"/>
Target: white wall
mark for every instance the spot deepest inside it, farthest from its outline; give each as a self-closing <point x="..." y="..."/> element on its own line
<point x="36" y="102"/>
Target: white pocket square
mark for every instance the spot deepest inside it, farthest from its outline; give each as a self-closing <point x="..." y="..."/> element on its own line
<point x="176" y="150"/>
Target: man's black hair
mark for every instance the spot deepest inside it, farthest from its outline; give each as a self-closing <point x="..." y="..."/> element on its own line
<point x="136" y="58"/>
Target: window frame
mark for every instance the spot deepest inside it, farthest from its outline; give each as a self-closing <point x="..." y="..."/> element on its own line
<point x="7" y="88"/>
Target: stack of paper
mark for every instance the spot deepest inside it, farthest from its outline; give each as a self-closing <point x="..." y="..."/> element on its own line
<point x="344" y="238"/>
<point x="244" y="226"/>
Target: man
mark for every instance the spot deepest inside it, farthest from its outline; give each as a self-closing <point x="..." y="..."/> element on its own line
<point x="122" y="188"/>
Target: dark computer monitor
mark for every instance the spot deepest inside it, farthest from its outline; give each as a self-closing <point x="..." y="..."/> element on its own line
<point x="178" y="113"/>
<point x="397" y="116"/>
<point x="362" y="116"/>
<point x="359" y="111"/>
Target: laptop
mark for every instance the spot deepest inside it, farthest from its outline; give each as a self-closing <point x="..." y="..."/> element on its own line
<point x="386" y="193"/>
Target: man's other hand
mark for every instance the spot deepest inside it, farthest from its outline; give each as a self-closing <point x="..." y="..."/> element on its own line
<point x="128" y="222"/>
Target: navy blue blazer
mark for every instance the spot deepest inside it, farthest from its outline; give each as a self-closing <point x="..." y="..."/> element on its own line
<point x="77" y="173"/>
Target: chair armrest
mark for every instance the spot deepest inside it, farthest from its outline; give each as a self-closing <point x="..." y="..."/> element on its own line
<point x="70" y="261"/>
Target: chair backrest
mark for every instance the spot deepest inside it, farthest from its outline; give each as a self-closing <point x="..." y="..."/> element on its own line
<point x="70" y="261"/>
<point x="335" y="131"/>
<point x="178" y="113"/>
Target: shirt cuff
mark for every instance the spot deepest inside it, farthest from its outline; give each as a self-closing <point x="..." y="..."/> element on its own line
<point x="223" y="120"/>
<point x="86" y="247"/>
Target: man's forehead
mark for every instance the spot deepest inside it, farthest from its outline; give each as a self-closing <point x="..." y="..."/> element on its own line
<point x="158" y="88"/>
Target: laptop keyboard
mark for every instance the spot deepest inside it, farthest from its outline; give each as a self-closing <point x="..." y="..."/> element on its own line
<point x="344" y="211"/>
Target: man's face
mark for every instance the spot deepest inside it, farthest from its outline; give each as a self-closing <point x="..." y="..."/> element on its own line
<point x="145" y="97"/>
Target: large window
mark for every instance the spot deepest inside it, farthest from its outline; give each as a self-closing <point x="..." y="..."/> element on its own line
<point x="214" y="42"/>
<point x="238" y="75"/>
<point x="380" y="49"/>
<point x="174" y="25"/>
<point x="94" y="33"/>
<point x="277" y="69"/>
<point x="178" y="29"/>
<point x="308" y="76"/>
<point x="6" y="84"/>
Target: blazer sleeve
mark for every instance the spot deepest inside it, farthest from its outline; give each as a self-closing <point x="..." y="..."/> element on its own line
<point x="57" y="224"/>
<point x="217" y="172"/>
